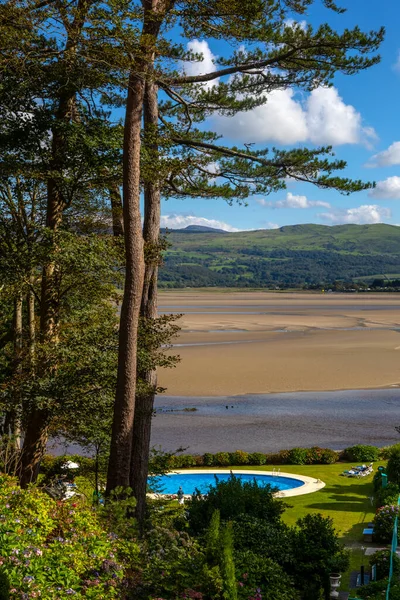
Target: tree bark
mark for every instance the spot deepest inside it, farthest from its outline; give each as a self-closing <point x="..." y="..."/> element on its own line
<point x="151" y="232"/>
<point x="124" y="408"/>
<point x="116" y="210"/>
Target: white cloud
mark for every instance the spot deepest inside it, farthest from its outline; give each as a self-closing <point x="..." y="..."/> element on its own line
<point x="388" y="189"/>
<point x="323" y="118"/>
<point x="201" y="67"/>
<point x="292" y="23"/>
<point x="269" y="225"/>
<point x="294" y="201"/>
<point x="386" y="158"/>
<point x="180" y="221"/>
<point x="367" y="213"/>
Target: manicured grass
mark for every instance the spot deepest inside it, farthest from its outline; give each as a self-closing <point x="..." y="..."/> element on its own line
<point x="347" y="500"/>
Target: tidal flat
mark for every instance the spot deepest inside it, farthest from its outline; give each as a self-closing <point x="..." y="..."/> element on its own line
<point x="256" y="342"/>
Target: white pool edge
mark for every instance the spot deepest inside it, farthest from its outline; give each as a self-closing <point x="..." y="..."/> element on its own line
<point x="311" y="484"/>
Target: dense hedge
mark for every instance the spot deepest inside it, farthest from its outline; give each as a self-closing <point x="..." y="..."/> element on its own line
<point x="296" y="456"/>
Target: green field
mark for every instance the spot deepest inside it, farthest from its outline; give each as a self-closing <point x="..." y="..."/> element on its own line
<point x="292" y="255"/>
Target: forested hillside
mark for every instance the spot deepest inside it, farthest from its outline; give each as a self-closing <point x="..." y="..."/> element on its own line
<point x="290" y="256"/>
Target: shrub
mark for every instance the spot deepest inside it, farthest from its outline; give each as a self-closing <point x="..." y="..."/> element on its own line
<point x="384" y="521"/>
<point x="297" y="456"/>
<point x="361" y="453"/>
<point x="387" y="495"/>
<point x="239" y="457"/>
<point x="233" y="497"/>
<point x="385" y="452"/>
<point x="259" y="576"/>
<point x="198" y="459"/>
<point x="377" y="481"/>
<point x="221" y="459"/>
<point x="4" y="586"/>
<point x="208" y="459"/>
<point x="382" y="561"/>
<point x="56" y="549"/>
<point x="257" y="458"/>
<point x="393" y="466"/>
<point x="329" y="457"/>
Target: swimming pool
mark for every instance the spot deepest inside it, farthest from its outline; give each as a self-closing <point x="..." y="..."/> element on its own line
<point x="286" y="483"/>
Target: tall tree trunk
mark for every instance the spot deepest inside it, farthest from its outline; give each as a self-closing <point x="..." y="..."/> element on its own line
<point x="121" y="440"/>
<point x="116" y="210"/>
<point x="12" y="421"/>
<point x="124" y="408"/>
<point x="30" y="299"/>
<point x="151" y="233"/>
<point x="36" y="433"/>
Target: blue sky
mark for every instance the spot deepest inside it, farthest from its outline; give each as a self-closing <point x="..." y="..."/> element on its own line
<point x="360" y="117"/>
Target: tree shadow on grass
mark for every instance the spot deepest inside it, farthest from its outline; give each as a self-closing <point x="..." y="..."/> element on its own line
<point x="348" y="499"/>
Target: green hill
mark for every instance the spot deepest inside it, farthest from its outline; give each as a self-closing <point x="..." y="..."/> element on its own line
<point x="290" y="256"/>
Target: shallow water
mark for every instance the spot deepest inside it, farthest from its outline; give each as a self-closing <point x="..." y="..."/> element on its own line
<point x="271" y="422"/>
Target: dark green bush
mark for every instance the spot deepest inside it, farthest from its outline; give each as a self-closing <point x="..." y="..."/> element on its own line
<point x="239" y="457"/>
<point x="298" y="456"/>
<point x="384" y="453"/>
<point x="221" y="459"/>
<point x="384" y="522"/>
<point x="377" y="480"/>
<point x="393" y="466"/>
<point x="208" y="459"/>
<point x="254" y="571"/>
<point x="233" y="497"/>
<point x="382" y="561"/>
<point x="257" y="458"/>
<point x="361" y="453"/>
<point x="328" y="457"/>
<point x="387" y="495"/>
<point x="4" y="586"/>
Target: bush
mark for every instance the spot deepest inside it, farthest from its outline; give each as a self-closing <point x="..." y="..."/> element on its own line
<point x="385" y="452"/>
<point x="384" y="521"/>
<point x="239" y="457"/>
<point x="361" y="453"/>
<point x="377" y="481"/>
<point x="387" y="495"/>
<point x="56" y="549"/>
<point x="329" y="457"/>
<point x="208" y="459"/>
<point x="233" y="497"/>
<point x="4" y="586"/>
<point x="222" y="459"/>
<point x="297" y="456"/>
<point x="382" y="561"/>
<point x="321" y="456"/>
<point x="257" y="458"/>
<point x="393" y="466"/>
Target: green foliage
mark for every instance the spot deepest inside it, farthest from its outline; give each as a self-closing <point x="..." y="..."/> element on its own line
<point x="393" y="466"/>
<point x="318" y="552"/>
<point x="257" y="535"/>
<point x="222" y="459"/>
<point x="297" y="456"/>
<point x="228" y="565"/>
<point x="291" y="256"/>
<point x="4" y="586"/>
<point x="239" y="457"/>
<point x="257" y="458"/>
<point x="56" y="549"/>
<point x="382" y="561"/>
<point x="261" y="577"/>
<point x="384" y="522"/>
<point x="232" y="498"/>
<point x="387" y="495"/>
<point x="361" y="453"/>
<point x="376" y="590"/>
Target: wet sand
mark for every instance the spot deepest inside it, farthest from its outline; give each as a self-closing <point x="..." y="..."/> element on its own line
<point x="261" y="342"/>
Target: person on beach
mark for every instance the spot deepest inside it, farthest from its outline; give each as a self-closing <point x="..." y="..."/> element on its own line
<point x="180" y="494"/>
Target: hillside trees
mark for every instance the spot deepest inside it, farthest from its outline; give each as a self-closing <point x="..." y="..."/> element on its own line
<point x="269" y="54"/>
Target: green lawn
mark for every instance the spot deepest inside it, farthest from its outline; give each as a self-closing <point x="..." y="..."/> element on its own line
<point x="346" y="500"/>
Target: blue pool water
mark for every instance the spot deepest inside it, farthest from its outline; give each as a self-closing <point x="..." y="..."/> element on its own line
<point x="169" y="484"/>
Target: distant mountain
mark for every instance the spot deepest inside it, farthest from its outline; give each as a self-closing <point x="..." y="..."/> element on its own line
<point x="290" y="256"/>
<point x="197" y="229"/>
